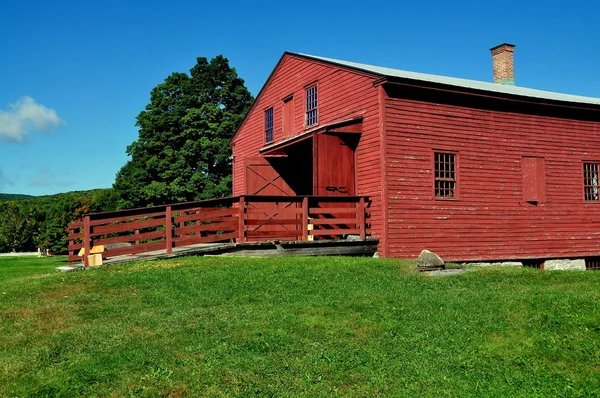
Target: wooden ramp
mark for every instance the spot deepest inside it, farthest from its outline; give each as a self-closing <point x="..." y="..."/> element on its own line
<point x="259" y="249"/>
<point x="250" y="224"/>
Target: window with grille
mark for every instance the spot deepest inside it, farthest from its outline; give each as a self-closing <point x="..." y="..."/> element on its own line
<point x="590" y="181"/>
<point x="311" y="106"/>
<point x="269" y="125"/>
<point x="445" y="175"/>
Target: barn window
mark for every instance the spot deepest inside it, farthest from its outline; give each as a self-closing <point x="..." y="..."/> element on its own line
<point x="311" y="106"/>
<point x="269" y="125"/>
<point x="590" y="181"/>
<point x="445" y="175"/>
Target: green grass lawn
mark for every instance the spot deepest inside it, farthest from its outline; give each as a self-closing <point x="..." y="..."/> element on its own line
<point x="295" y="326"/>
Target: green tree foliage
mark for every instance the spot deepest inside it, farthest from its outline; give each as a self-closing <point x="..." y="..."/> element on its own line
<point x="18" y="224"/>
<point x="43" y="220"/>
<point x="182" y="151"/>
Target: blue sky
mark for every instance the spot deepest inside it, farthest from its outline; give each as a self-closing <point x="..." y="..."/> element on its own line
<point x="74" y="75"/>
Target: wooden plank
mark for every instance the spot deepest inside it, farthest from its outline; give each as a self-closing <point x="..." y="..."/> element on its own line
<point x="207" y="216"/>
<point x="169" y="230"/>
<point x="128" y="226"/>
<point x="332" y="210"/>
<point x="130" y="238"/>
<point x="241" y="220"/>
<point x="75" y="236"/>
<point x="86" y="240"/>
<point x="222" y="226"/>
<point x="337" y="231"/>
<point x="137" y="249"/>
<point x="104" y="221"/>
<point x="272" y="234"/>
<point x="305" y="219"/>
<point x="334" y="221"/>
<point x="274" y="221"/>
<point x="226" y="237"/>
<point x="361" y="218"/>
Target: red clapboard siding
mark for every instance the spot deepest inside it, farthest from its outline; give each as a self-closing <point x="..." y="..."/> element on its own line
<point x="519" y="164"/>
<point x="342" y="94"/>
<point x="491" y="220"/>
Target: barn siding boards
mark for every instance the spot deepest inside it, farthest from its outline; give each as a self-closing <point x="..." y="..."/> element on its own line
<point x="519" y="159"/>
<point x="491" y="220"/>
<point x="342" y="94"/>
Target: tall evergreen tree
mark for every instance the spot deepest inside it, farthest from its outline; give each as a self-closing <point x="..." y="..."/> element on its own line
<point x="182" y="151"/>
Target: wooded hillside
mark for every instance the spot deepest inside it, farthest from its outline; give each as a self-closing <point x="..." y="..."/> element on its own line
<point x="27" y="222"/>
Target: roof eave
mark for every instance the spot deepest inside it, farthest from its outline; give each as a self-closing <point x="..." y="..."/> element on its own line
<point x="485" y="93"/>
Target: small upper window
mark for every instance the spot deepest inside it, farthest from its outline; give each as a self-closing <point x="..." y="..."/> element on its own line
<point x="269" y="125"/>
<point x="311" y="106"/>
<point x="590" y="181"/>
<point x="445" y="175"/>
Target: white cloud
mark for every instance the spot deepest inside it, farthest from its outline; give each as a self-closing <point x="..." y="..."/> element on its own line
<point x="25" y="116"/>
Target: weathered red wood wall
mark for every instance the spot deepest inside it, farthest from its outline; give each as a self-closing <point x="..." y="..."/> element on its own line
<point x="342" y="94"/>
<point x="490" y="220"/>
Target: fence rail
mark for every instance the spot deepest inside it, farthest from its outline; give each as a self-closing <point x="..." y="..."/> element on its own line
<point x="236" y="219"/>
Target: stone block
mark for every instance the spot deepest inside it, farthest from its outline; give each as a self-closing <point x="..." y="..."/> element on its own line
<point x="565" y="264"/>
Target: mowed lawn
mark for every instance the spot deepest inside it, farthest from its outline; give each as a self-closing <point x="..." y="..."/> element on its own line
<point x="309" y="327"/>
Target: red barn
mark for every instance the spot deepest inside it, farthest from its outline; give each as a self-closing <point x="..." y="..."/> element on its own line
<point x="470" y="170"/>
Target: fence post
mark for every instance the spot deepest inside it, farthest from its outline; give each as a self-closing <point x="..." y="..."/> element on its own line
<point x="71" y="243"/>
<point x="242" y="223"/>
<point x="198" y="226"/>
<point x="86" y="240"/>
<point x="305" y="219"/>
<point x="169" y="230"/>
<point x="361" y="218"/>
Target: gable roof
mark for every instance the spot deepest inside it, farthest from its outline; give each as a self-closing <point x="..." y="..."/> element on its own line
<point x="464" y="83"/>
<point x="425" y="77"/>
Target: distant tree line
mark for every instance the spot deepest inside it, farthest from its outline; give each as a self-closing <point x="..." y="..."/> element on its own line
<point x="27" y="222"/>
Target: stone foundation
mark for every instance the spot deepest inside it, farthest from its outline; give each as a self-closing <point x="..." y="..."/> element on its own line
<point x="565" y="264"/>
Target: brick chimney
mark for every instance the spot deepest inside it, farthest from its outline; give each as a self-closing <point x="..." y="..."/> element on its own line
<point x="504" y="63"/>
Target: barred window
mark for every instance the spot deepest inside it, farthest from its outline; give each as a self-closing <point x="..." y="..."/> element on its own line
<point x="269" y="125"/>
<point x="590" y="181"/>
<point x="311" y="106"/>
<point x="445" y="175"/>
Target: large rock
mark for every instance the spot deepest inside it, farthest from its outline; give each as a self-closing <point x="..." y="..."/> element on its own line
<point x="429" y="261"/>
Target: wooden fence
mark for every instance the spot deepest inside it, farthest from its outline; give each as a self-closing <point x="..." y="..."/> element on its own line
<point x="237" y="219"/>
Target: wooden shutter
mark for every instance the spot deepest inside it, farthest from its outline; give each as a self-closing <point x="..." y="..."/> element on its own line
<point x="534" y="179"/>
<point x="288" y="117"/>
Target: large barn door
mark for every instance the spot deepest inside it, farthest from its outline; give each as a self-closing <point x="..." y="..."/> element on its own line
<point x="334" y="176"/>
<point x="334" y="165"/>
<point x="264" y="179"/>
